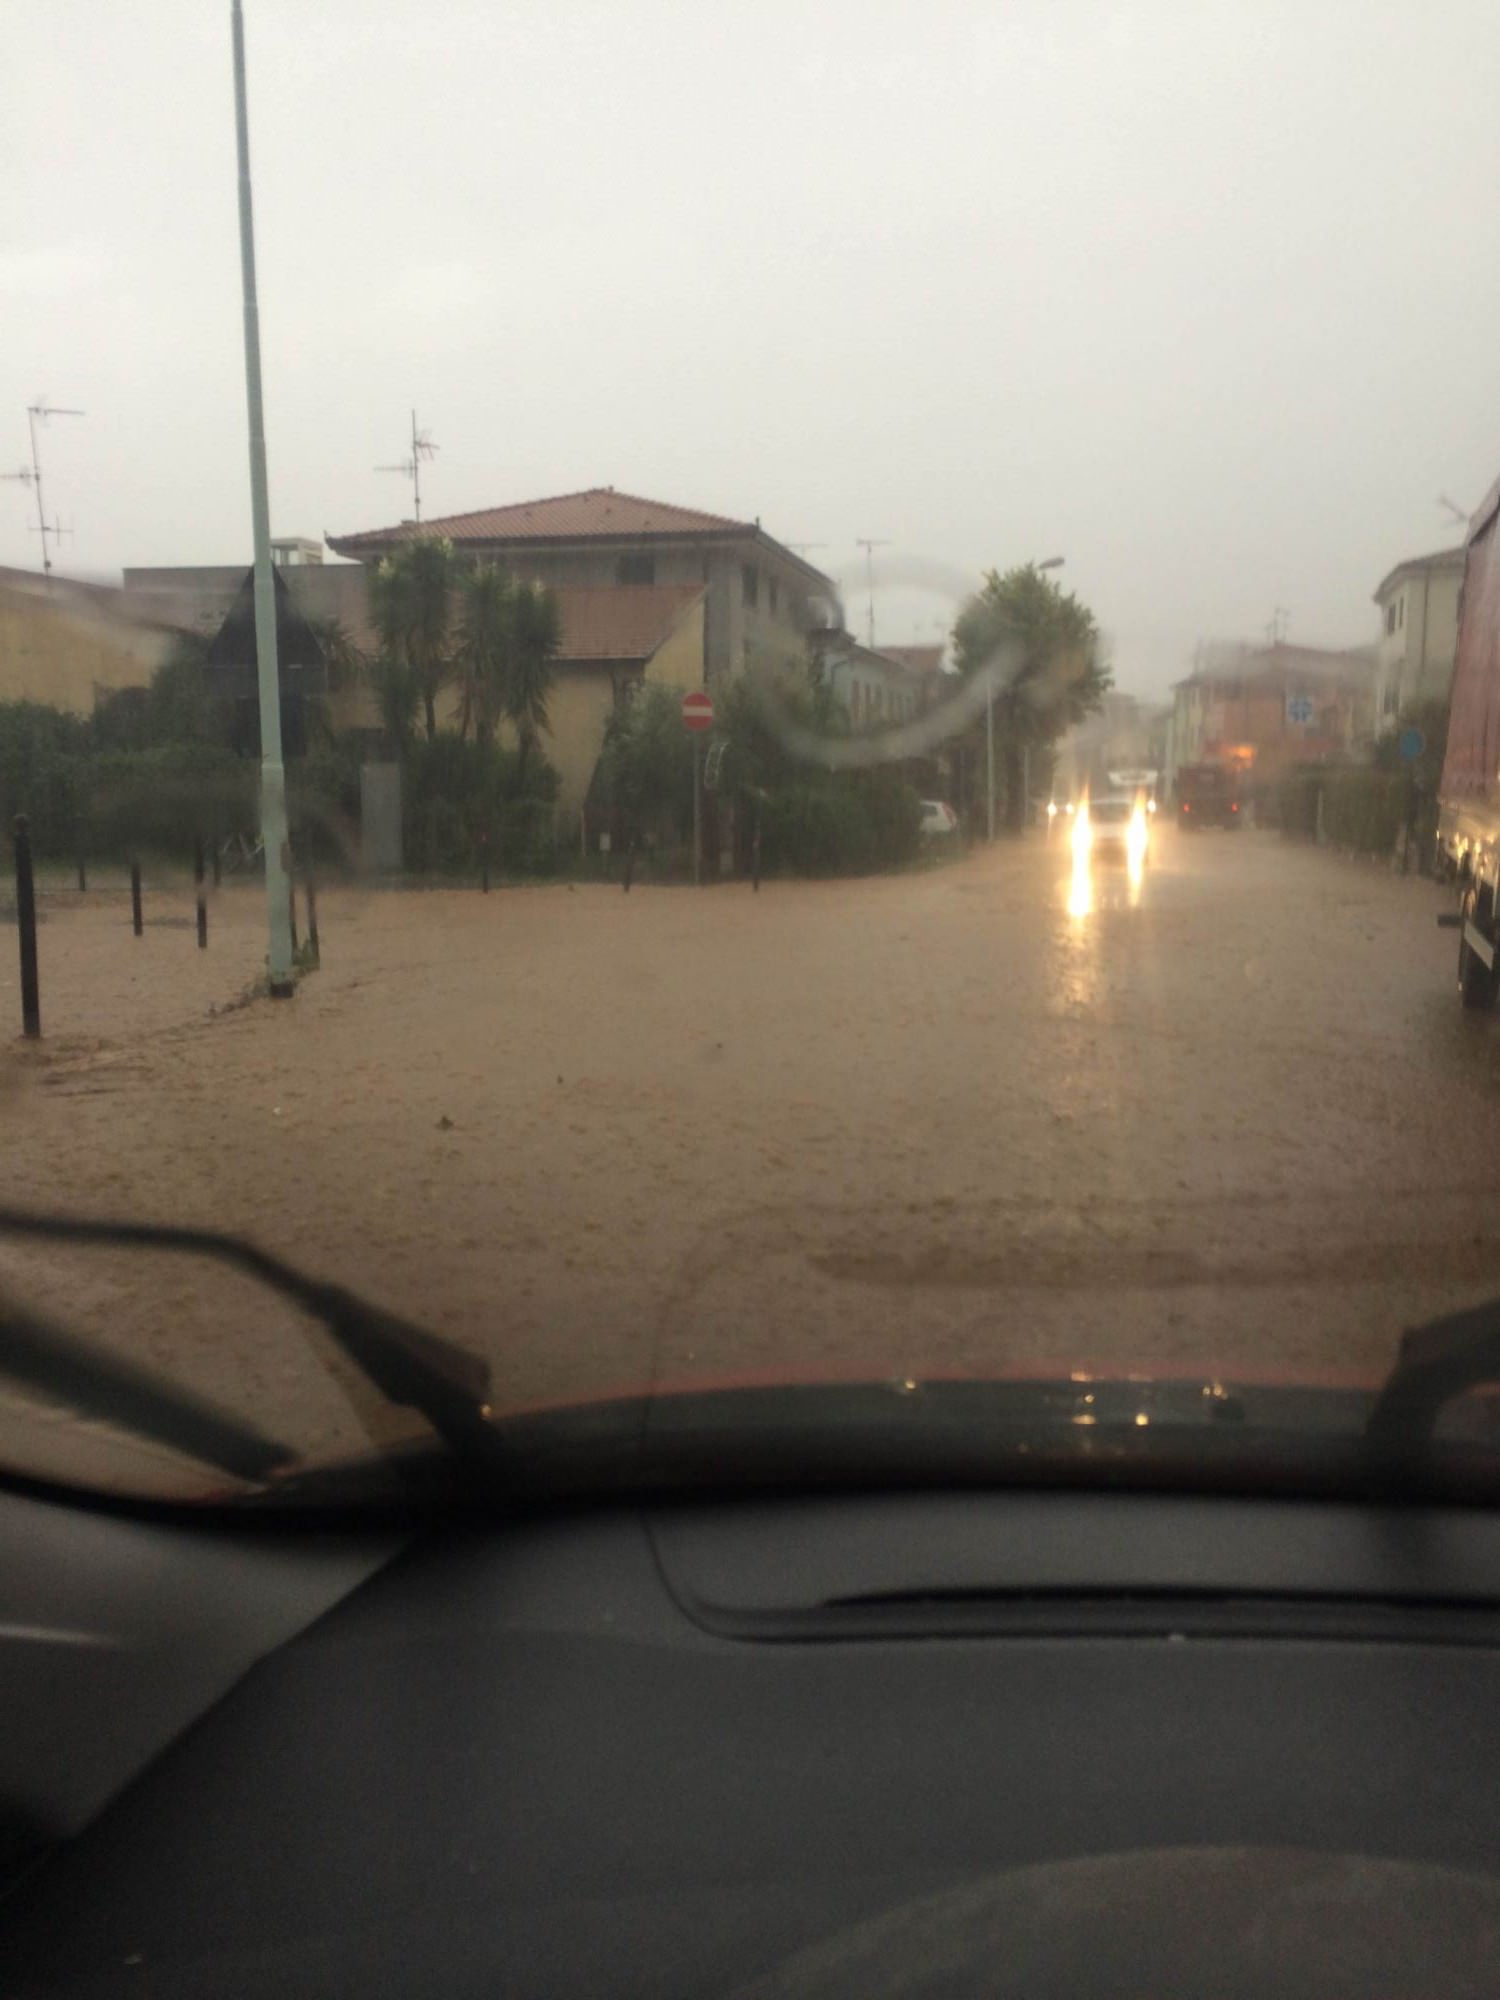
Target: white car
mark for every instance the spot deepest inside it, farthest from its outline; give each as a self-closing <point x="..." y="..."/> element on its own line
<point x="1115" y="824"/>
<point x="938" y="817"/>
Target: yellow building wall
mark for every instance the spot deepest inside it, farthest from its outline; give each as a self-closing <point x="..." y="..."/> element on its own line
<point x="581" y="702"/>
<point x="678" y="661"/>
<point x="64" y="657"/>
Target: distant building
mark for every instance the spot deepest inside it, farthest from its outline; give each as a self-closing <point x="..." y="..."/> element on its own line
<point x="66" y="643"/>
<point x="1263" y="708"/>
<point x="1418" y="603"/>
<point x="877" y="686"/>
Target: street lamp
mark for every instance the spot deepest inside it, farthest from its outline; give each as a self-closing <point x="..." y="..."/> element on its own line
<point x="1051" y="562"/>
<point x="273" y="827"/>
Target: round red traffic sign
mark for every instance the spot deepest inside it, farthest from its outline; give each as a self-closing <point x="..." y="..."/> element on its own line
<point x="697" y="710"/>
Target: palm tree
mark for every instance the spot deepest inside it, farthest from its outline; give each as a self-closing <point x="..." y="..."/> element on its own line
<point x="410" y="602"/>
<point x="485" y="646"/>
<point x="396" y="696"/>
<point x="536" y="635"/>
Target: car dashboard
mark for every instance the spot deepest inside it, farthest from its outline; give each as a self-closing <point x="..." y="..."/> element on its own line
<point x="863" y="1743"/>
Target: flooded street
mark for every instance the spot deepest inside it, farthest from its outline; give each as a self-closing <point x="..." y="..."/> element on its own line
<point x="1234" y="1121"/>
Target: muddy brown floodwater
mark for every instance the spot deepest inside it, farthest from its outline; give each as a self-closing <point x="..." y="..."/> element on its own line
<point x="935" y="1122"/>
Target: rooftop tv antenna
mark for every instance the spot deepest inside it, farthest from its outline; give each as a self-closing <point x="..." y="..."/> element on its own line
<point x="31" y="475"/>
<point x="869" y="546"/>
<point x="1276" y="630"/>
<point x="422" y="447"/>
<point x="1460" y="514"/>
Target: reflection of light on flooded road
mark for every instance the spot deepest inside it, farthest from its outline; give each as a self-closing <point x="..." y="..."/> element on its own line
<point x="1136" y="837"/>
<point x="1081" y="887"/>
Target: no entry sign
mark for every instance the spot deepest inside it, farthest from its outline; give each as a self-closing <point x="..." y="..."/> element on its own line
<point x="697" y="710"/>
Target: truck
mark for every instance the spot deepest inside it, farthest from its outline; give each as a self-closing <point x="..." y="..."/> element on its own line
<point x="1468" y="838"/>
<point x="1207" y="795"/>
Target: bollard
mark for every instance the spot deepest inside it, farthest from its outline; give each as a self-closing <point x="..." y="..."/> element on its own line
<point x="83" y="879"/>
<point x="484" y="862"/>
<point x="312" y="918"/>
<point x="31" y="1005"/>
<point x="755" y="854"/>
<point x="202" y="898"/>
<point x="135" y="896"/>
<point x="629" y="863"/>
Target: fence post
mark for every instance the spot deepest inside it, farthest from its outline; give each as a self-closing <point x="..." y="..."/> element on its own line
<point x="31" y="1006"/>
<point x="312" y="917"/>
<point x="135" y="897"/>
<point x="202" y="898"/>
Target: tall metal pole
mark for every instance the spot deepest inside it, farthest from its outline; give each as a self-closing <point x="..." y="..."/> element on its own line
<point x="273" y="828"/>
<point x="416" y="472"/>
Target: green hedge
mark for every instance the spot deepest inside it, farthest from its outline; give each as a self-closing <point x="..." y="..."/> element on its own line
<point x="454" y="794"/>
<point x="1362" y="810"/>
<point x="846" y="824"/>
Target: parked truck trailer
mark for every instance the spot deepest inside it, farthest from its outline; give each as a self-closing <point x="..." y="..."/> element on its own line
<point x="1469" y="793"/>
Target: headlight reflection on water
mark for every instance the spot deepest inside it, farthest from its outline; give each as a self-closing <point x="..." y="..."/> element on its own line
<point x="1081" y="886"/>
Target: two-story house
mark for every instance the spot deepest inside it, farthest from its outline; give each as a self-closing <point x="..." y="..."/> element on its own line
<point x="760" y="599"/>
<point x="1418" y="604"/>
<point x="646" y="590"/>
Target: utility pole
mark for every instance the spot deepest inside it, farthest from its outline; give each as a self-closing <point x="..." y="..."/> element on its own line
<point x="273" y="827"/>
<point x="870" y="546"/>
<point x="31" y="475"/>
<point x="422" y="447"/>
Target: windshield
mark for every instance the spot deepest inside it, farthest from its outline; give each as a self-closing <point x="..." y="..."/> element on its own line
<point x="770" y="708"/>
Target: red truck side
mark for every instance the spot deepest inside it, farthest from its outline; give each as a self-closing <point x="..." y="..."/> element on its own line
<point x="1469" y="794"/>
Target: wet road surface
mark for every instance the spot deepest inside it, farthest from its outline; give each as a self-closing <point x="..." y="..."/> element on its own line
<point x="1231" y="1120"/>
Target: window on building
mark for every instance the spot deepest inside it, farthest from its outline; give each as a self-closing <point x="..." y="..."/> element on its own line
<point x="1390" y="616"/>
<point x="1401" y="613"/>
<point x="635" y="569"/>
<point x="750" y="585"/>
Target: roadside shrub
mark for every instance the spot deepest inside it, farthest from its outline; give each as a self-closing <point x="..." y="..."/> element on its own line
<point x="1297" y="803"/>
<point x="42" y="753"/>
<point x="455" y="793"/>
<point x="846" y="824"/>
<point x="1363" y="810"/>
<point x="157" y="801"/>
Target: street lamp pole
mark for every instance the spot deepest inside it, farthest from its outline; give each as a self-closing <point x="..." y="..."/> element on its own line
<point x="273" y="827"/>
<point x="1052" y="562"/>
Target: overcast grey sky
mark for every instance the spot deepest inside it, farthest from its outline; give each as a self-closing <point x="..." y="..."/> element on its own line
<point x="1204" y="296"/>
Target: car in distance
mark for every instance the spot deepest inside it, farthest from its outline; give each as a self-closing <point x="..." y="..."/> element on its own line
<point x="1116" y="826"/>
<point x="938" y="818"/>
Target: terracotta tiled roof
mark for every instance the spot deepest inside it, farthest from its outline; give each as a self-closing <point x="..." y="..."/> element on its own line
<point x="921" y="659"/>
<point x="620" y="621"/>
<point x="599" y="514"/>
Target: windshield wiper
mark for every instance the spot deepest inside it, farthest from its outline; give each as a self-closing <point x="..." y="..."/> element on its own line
<point x="55" y="1364"/>
<point x="1436" y="1362"/>
<point x="409" y="1366"/>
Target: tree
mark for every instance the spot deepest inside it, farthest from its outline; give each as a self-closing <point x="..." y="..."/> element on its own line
<point x="535" y="635"/>
<point x="485" y="648"/>
<point x="411" y="604"/>
<point x="646" y="765"/>
<point x="398" y="694"/>
<point x="1042" y="646"/>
